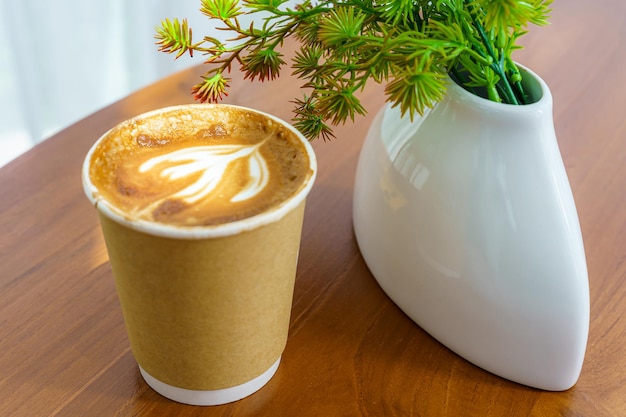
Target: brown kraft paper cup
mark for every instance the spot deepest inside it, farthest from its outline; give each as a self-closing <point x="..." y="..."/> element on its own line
<point x="206" y="309"/>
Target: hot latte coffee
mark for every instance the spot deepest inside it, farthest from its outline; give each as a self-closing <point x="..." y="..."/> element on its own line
<point x="201" y="208"/>
<point x="198" y="165"/>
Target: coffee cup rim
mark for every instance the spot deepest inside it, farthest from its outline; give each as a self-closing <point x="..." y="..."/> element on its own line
<point x="269" y="216"/>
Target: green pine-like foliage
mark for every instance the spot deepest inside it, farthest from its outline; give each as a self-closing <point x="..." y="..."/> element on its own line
<point x="412" y="46"/>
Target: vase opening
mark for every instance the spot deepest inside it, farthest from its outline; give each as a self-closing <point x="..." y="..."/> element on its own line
<point x="531" y="85"/>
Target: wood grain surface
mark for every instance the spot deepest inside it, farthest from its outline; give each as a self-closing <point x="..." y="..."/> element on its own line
<point x="351" y="351"/>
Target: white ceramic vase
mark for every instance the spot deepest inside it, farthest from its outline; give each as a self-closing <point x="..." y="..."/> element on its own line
<point x="466" y="219"/>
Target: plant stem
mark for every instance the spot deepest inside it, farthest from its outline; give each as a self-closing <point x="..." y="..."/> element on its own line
<point x="504" y="86"/>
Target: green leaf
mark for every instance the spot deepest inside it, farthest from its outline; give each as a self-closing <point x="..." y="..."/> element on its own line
<point x="270" y="5"/>
<point x="341" y="25"/>
<point x="339" y="105"/>
<point x="395" y="12"/>
<point x="307" y="61"/>
<point x="309" y="120"/>
<point x="264" y="63"/>
<point x="503" y="15"/>
<point x="221" y="9"/>
<point x="212" y="89"/>
<point x="416" y="92"/>
<point x="174" y="36"/>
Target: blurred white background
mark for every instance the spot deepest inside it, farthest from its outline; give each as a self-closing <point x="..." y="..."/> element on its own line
<point x="62" y="60"/>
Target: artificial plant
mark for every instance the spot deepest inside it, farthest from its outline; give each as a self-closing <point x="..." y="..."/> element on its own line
<point x="410" y="45"/>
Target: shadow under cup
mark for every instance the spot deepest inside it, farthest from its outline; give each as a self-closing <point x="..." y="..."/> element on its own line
<point x="206" y="308"/>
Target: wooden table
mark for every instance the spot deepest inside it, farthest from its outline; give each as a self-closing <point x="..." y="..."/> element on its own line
<point x="351" y="351"/>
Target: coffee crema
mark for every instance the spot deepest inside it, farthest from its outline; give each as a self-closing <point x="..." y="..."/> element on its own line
<point x="198" y="165"/>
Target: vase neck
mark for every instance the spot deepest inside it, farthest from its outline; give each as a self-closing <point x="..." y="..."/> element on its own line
<point x="537" y="91"/>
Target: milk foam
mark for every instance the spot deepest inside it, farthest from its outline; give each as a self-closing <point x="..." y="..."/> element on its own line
<point x="199" y="166"/>
<point x="211" y="162"/>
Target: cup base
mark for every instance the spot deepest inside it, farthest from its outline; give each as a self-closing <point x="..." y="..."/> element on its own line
<point x="210" y="397"/>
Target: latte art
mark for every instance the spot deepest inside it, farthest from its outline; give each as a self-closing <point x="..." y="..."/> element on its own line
<point x="205" y="168"/>
<point x="212" y="163"/>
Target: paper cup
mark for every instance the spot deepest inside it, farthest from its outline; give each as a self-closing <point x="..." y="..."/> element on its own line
<point x="206" y="308"/>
